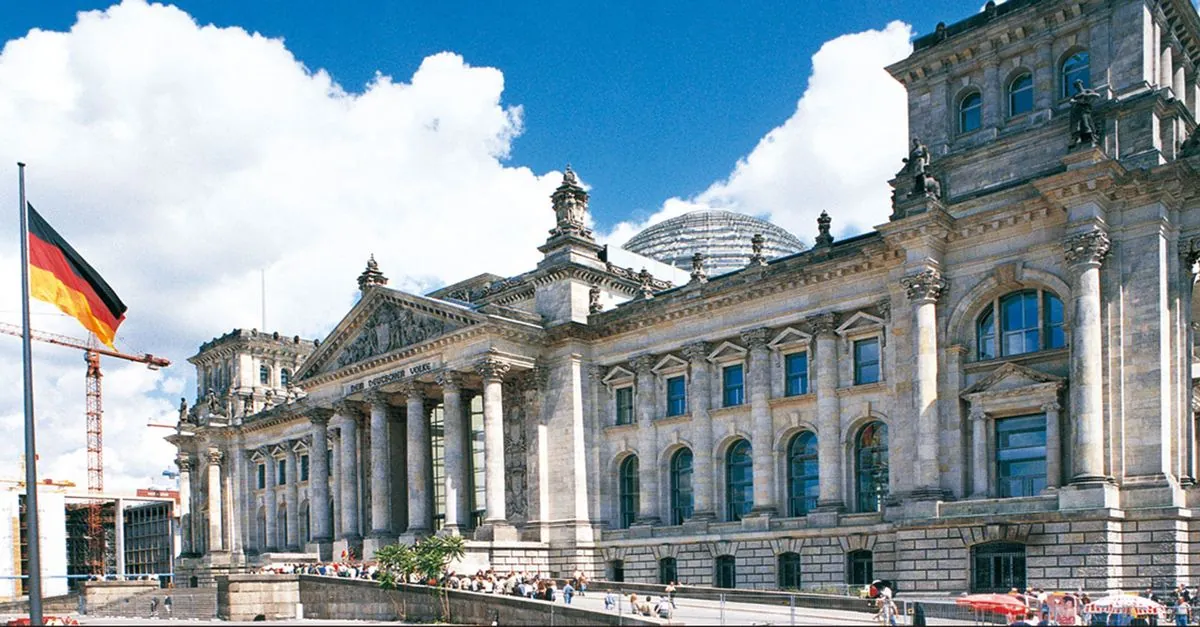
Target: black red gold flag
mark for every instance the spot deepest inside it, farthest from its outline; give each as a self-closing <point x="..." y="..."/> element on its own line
<point x="59" y="275"/>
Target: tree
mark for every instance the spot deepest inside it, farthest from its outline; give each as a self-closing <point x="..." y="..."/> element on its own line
<point x="427" y="559"/>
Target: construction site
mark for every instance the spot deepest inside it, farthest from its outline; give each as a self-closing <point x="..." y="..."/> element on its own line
<point x="87" y="534"/>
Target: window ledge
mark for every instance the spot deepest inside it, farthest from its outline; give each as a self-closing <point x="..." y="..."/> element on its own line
<point x="864" y="388"/>
<point x="722" y="412"/>
<point x="793" y="401"/>
<point x="1023" y="359"/>
<point x="670" y="420"/>
<point x="621" y="428"/>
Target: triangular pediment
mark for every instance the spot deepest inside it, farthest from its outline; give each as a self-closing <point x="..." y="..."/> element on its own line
<point x="1011" y="376"/>
<point x="788" y="337"/>
<point x="385" y="321"/>
<point x="258" y="457"/>
<point x="727" y="351"/>
<point x="617" y="375"/>
<point x="860" y="321"/>
<point x="669" y="363"/>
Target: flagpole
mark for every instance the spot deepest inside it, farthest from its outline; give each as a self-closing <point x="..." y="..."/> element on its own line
<point x="33" y="537"/>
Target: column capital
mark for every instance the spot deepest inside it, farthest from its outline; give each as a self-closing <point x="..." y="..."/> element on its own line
<point x="756" y="338"/>
<point x="823" y="324"/>
<point x="215" y="456"/>
<point x="926" y="286"/>
<point x="642" y="364"/>
<point x="1189" y="255"/>
<point x="184" y="461"/>
<point x="697" y="351"/>
<point x="344" y="408"/>
<point x="1087" y="249"/>
<point x="375" y="397"/>
<point x="450" y="380"/>
<point x="320" y="416"/>
<point x="1052" y="406"/>
<point x="596" y="372"/>
<point x="412" y="389"/>
<point x="977" y="412"/>
<point x="491" y="368"/>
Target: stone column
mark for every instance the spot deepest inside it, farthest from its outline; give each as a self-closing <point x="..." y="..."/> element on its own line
<point x="458" y="504"/>
<point x="348" y="427"/>
<point x="1084" y="254"/>
<point x="703" y="469"/>
<point x="492" y="371"/>
<point x="420" y="481"/>
<point x="381" y="484"/>
<point x="761" y="428"/>
<point x="647" y="442"/>
<point x="829" y="421"/>
<point x="269" y="502"/>
<point x="924" y="288"/>
<point x="242" y="496"/>
<point x="1187" y="286"/>
<point x="1165" y="70"/>
<point x="1053" y="445"/>
<point x="335" y="481"/>
<point x="980" y="462"/>
<point x="292" y="498"/>
<point x="215" y="533"/>
<point x="318" y="478"/>
<point x="185" y="503"/>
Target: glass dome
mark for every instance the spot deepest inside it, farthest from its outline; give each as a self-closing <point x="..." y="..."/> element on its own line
<point x="723" y="237"/>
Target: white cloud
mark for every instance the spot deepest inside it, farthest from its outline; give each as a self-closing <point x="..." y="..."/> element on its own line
<point x="836" y="153"/>
<point x="182" y="159"/>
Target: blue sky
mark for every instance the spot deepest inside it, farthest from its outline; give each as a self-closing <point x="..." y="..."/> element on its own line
<point x="647" y="100"/>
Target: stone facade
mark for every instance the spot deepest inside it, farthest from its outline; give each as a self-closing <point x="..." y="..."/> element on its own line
<point x="992" y="389"/>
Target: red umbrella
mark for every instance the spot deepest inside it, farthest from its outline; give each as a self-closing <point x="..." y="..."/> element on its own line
<point x="998" y="603"/>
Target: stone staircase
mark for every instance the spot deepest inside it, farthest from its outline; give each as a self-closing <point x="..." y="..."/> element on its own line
<point x="186" y="603"/>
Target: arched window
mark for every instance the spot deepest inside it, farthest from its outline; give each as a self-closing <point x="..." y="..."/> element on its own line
<point x="285" y="377"/>
<point x="997" y="567"/>
<point x="681" y="486"/>
<point x="668" y="571"/>
<point x="739" y="481"/>
<point x="725" y="572"/>
<point x="1076" y="67"/>
<point x="970" y="112"/>
<point x="860" y="567"/>
<point x="789" y="571"/>
<point x="1020" y="94"/>
<point x="871" y="466"/>
<point x="264" y="375"/>
<point x="803" y="483"/>
<point x="628" y="490"/>
<point x="1029" y="321"/>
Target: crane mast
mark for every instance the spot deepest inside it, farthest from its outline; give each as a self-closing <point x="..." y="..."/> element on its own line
<point x="95" y="427"/>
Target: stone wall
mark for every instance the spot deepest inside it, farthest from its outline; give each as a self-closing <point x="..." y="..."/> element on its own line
<point x="101" y="593"/>
<point x="277" y="597"/>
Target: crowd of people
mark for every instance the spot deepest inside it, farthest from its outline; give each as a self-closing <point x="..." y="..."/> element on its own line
<point x="345" y="570"/>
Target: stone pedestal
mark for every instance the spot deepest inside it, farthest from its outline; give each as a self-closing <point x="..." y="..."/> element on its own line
<point x="496" y="531"/>
<point x="824" y="517"/>
<point x="372" y="544"/>
<point x="323" y="550"/>
<point x="355" y="545"/>
<point x="1088" y="496"/>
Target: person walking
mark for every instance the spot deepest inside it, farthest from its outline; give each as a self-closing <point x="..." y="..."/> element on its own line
<point x="167" y="605"/>
<point x="671" y="594"/>
<point x="153" y="607"/>
<point x="568" y="592"/>
<point x="1182" y="611"/>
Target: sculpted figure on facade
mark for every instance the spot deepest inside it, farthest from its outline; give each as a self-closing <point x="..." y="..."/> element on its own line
<point x="594" y="305"/>
<point x="391" y="327"/>
<point x="1190" y="146"/>
<point x="1083" y="122"/>
<point x="570" y="203"/>
<point x="824" y="237"/>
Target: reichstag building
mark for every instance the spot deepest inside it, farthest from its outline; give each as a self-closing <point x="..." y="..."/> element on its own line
<point x="992" y="389"/>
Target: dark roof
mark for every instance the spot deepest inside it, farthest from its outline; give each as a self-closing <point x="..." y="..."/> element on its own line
<point x="979" y="19"/>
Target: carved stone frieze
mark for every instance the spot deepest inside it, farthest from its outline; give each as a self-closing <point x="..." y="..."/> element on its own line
<point x="925" y="286"/>
<point x="391" y="327"/>
<point x="1087" y="248"/>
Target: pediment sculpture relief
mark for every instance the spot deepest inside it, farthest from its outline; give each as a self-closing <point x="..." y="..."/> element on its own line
<point x="391" y="327"/>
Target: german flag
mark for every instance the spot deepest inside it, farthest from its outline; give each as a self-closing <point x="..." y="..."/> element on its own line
<point x="59" y="275"/>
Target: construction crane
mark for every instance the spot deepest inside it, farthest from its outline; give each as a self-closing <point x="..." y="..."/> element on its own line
<point x="95" y="432"/>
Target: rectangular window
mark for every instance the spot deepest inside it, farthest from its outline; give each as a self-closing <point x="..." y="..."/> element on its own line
<point x="625" y="406"/>
<point x="1021" y="455"/>
<point x="676" y="396"/>
<point x="795" y="373"/>
<point x="280" y="472"/>
<point x="478" y="466"/>
<point x="262" y="476"/>
<point x="733" y="386"/>
<point x="304" y="467"/>
<point x="437" y="446"/>
<point x="866" y="361"/>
